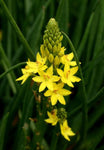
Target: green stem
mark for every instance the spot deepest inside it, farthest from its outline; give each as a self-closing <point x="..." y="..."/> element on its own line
<point x="3" y="55"/>
<point x="91" y="101"/>
<point x="54" y="140"/>
<point x="84" y="101"/>
<point x="11" y="68"/>
<point x="6" y="64"/>
<point x="10" y="79"/>
<point x="17" y="30"/>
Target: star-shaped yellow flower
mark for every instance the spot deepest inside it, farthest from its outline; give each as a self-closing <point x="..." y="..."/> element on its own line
<point x="32" y="68"/>
<point x="46" y="78"/>
<point x="62" y="50"/>
<point x="66" y="130"/>
<point x="67" y="59"/>
<point x="57" y="93"/>
<point x="53" y="119"/>
<point x="67" y="76"/>
<point x="25" y="75"/>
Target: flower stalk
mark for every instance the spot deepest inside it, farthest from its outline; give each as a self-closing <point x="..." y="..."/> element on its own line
<point x="84" y="101"/>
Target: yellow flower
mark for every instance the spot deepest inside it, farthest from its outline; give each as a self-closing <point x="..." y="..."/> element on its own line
<point x="66" y="130"/>
<point x="32" y="68"/>
<point x="53" y="119"/>
<point x="61" y="53"/>
<point x="57" y="93"/>
<point x="24" y="76"/>
<point x="67" y="76"/>
<point x="47" y="78"/>
<point x="67" y="59"/>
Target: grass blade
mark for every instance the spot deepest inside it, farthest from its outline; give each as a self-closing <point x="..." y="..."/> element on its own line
<point x="3" y="131"/>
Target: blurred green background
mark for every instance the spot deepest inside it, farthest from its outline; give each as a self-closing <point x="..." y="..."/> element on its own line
<point x="20" y="39"/>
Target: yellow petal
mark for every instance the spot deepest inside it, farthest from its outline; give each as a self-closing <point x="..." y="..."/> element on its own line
<point x="24" y="78"/>
<point x="31" y="64"/>
<point x="73" y="70"/>
<point x="42" y="86"/>
<point x="53" y="122"/>
<point x="49" y="85"/>
<point x="75" y="79"/>
<point x="60" y="72"/>
<point x="48" y="93"/>
<point x="61" y="99"/>
<point x="70" y="83"/>
<point x="64" y="133"/>
<point x="53" y="99"/>
<point x="43" y="67"/>
<point x="66" y="68"/>
<point x="70" y="56"/>
<point x="73" y="63"/>
<point x="64" y="92"/>
<point x="38" y="79"/>
<point x="60" y="85"/>
<point x="50" y="71"/>
<point x="70" y="132"/>
<point x="64" y="79"/>
<point x="38" y="57"/>
<point x="55" y="78"/>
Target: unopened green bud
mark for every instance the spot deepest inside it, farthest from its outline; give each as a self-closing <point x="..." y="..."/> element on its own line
<point x="54" y="49"/>
<point x="50" y="47"/>
<point x="51" y="58"/>
<point x="42" y="50"/>
<point x="61" y="38"/>
<point x="52" y="37"/>
<point x="56" y="61"/>
<point x="46" y="52"/>
<point x="61" y="114"/>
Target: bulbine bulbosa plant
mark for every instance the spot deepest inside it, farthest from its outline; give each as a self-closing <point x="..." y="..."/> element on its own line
<point x="52" y="72"/>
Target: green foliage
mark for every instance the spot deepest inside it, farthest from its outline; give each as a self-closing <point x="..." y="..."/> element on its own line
<point x="22" y="24"/>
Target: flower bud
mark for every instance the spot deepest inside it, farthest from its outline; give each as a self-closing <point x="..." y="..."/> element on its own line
<point x="56" y="61"/>
<point x="51" y="58"/>
<point x="61" y="114"/>
<point x="52" y="37"/>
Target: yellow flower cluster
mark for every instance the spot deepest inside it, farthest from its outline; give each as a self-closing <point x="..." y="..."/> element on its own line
<point x="65" y="129"/>
<point x="53" y="69"/>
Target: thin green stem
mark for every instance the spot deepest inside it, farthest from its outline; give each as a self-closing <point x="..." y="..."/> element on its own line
<point x="11" y="68"/>
<point x="84" y="101"/>
<point x="91" y="101"/>
<point x="6" y="64"/>
<point x="17" y="30"/>
<point x="54" y="139"/>
<point x="10" y="79"/>
<point x="3" y="55"/>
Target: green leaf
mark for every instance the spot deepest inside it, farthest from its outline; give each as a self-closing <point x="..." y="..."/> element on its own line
<point x="28" y="103"/>
<point x="92" y="35"/>
<point x="98" y="112"/>
<point x="6" y="64"/>
<point x="95" y="137"/>
<point x="100" y="34"/>
<point x="62" y="15"/>
<point x="85" y="37"/>
<point x="35" y="32"/>
<point x="17" y="30"/>
<point x="3" y="131"/>
<point x="80" y="23"/>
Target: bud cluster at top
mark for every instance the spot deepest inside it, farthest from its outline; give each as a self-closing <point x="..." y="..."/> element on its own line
<point x="52" y="37"/>
<point x="52" y="42"/>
